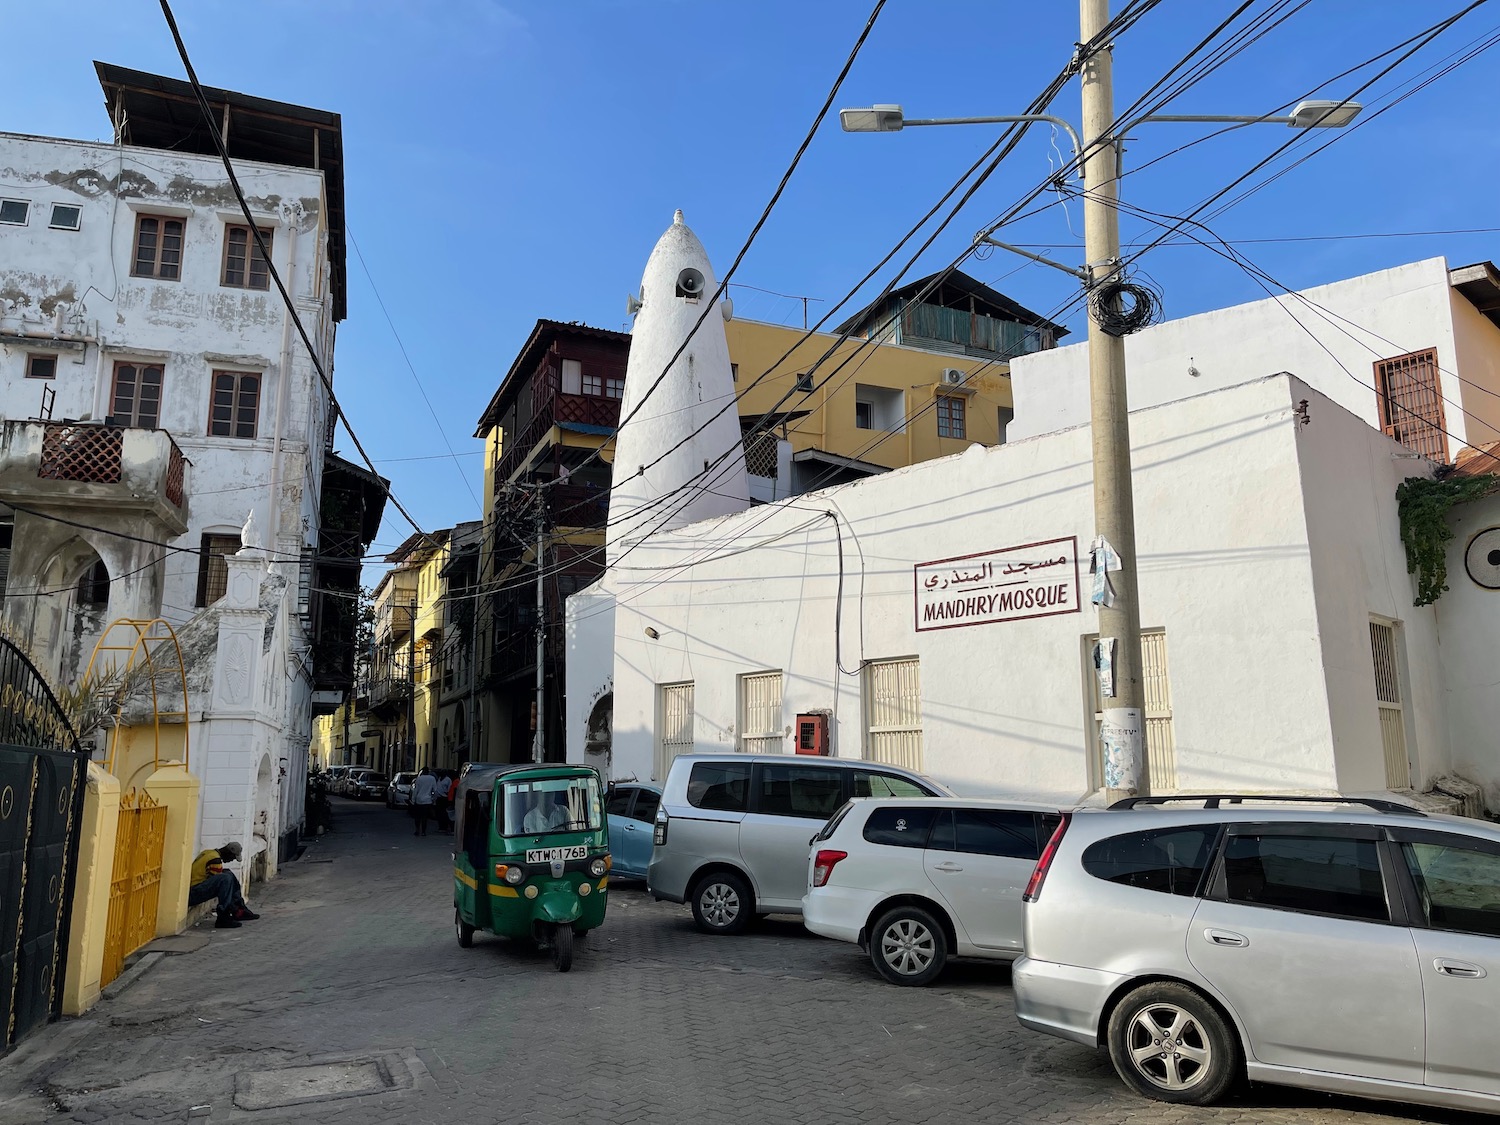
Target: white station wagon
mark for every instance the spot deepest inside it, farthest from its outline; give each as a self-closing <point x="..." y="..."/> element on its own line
<point x="918" y="882"/>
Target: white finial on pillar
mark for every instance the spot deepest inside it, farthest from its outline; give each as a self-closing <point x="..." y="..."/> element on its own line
<point x="677" y="219"/>
<point x="250" y="544"/>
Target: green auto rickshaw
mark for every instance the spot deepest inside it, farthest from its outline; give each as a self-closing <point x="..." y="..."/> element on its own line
<point x="531" y="854"/>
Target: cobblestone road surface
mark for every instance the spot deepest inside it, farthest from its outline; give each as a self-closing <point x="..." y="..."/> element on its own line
<point x="353" y="976"/>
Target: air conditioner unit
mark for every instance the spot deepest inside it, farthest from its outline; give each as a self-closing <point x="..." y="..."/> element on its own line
<point x="953" y="377"/>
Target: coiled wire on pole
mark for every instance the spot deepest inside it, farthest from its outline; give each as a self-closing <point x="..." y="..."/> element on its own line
<point x="1121" y="307"/>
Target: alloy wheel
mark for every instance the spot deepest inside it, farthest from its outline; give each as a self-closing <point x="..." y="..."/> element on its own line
<point x="1168" y="1047"/>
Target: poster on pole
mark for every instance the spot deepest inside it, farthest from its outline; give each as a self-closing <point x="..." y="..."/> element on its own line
<point x="1010" y="584"/>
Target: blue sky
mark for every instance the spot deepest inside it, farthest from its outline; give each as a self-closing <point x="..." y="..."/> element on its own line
<point x="509" y="161"/>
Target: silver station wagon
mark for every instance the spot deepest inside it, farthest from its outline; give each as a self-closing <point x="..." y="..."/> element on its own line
<point x="1345" y="945"/>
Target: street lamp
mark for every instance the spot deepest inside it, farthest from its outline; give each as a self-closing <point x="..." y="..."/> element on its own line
<point x="1122" y="732"/>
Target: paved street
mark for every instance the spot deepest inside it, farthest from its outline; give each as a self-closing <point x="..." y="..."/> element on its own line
<point x="352" y="981"/>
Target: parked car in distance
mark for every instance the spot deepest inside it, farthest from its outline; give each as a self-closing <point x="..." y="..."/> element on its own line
<point x="915" y="883"/>
<point x="367" y="785"/>
<point x="351" y="780"/>
<point x="1337" y="944"/>
<point x="632" y="817"/>
<point x="398" y="793"/>
<point x="732" y="830"/>
<point x="333" y="778"/>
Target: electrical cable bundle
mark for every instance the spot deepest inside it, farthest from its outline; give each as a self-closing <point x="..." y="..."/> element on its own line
<point x="1121" y="307"/>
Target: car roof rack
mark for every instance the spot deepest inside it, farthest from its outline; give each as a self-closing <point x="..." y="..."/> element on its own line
<point x="1216" y="800"/>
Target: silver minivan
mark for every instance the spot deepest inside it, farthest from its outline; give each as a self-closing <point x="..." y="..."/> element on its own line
<point x="1352" y="947"/>
<point x="732" y="830"/>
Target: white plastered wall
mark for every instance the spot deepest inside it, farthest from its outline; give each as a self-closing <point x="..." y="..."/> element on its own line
<point x="1225" y="569"/>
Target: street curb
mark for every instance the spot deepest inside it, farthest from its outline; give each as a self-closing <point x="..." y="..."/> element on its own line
<point x="130" y="975"/>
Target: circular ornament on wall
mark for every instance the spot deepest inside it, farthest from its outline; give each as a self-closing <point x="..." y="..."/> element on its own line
<point x="1482" y="559"/>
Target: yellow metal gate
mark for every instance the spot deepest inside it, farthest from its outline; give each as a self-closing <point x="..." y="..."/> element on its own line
<point x="135" y="886"/>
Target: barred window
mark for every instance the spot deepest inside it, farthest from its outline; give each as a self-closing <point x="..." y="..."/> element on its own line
<point x="1411" y="403"/>
<point x="213" y="571"/>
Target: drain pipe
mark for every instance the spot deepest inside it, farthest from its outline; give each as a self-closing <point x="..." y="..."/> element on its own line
<point x="283" y="390"/>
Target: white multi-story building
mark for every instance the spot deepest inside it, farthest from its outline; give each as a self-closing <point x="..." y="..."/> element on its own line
<point x="157" y="395"/>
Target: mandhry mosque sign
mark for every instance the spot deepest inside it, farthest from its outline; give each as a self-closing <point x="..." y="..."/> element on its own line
<point x="1011" y="584"/>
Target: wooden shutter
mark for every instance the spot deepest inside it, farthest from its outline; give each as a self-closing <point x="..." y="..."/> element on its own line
<point x="893" y="713"/>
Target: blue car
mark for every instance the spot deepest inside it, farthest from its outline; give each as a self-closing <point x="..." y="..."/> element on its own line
<point x="632" y="816"/>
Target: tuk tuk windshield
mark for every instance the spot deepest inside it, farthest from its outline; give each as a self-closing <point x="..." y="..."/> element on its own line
<point x="553" y="804"/>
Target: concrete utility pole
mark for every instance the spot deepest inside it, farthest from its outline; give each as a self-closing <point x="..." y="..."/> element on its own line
<point x="411" y="686"/>
<point x="1126" y="767"/>
<point x="539" y="739"/>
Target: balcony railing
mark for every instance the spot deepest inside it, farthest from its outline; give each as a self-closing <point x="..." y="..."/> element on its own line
<point x="975" y="333"/>
<point x="95" y="454"/>
<point x="550" y="408"/>
<point x="578" y="505"/>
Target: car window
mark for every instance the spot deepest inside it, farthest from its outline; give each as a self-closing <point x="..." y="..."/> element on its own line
<point x="999" y="832"/>
<point x="870" y="784"/>
<point x="828" y="829"/>
<point x="1170" y="860"/>
<point x="1316" y="874"/>
<point x="1459" y="886"/>
<point x="619" y="802"/>
<point x="724" y="787"/>
<point x="806" y="791"/>
<point x="646" y="803"/>
<point x="901" y="827"/>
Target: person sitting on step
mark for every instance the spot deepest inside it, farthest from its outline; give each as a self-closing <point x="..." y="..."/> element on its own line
<point x="210" y="880"/>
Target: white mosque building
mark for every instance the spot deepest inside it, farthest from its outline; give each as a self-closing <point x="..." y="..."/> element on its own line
<point x="940" y="616"/>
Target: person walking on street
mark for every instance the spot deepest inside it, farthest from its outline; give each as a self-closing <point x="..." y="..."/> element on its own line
<point x="423" y="796"/>
<point x="444" y="802"/>
<point x="209" y="880"/>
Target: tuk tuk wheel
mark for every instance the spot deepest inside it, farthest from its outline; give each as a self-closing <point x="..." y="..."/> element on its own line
<point x="465" y="931"/>
<point x="562" y="947"/>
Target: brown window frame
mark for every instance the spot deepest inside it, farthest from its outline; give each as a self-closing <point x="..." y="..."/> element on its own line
<point x="133" y="415"/>
<point x="213" y="571"/>
<point x="160" y="269"/>
<point x="249" y="259"/>
<point x="1407" y="406"/>
<point x="32" y="357"/>
<point x="947" y="407"/>
<point x="235" y="405"/>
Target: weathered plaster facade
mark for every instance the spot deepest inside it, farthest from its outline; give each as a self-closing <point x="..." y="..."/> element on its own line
<point x="73" y="295"/>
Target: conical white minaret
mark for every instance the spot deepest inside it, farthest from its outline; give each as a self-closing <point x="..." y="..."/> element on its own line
<point x="654" y="489"/>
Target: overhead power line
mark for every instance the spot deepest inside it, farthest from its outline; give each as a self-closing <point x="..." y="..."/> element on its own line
<point x="265" y="253"/>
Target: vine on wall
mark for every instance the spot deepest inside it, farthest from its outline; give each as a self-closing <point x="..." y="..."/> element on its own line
<point x="1423" y="506"/>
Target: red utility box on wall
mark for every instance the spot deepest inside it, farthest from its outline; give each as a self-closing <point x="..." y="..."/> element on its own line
<point x="812" y="734"/>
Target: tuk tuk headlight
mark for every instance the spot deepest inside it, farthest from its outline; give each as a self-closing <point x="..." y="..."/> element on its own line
<point x="510" y="873"/>
<point x="598" y="867"/>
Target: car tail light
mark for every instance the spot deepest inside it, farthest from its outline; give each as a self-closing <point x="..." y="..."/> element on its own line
<point x="1039" y="872"/>
<point x="824" y="864"/>
<point x="659" y="830"/>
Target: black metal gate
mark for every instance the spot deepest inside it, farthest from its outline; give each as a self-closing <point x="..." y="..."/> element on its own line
<point x="42" y="775"/>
